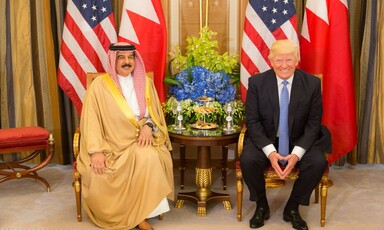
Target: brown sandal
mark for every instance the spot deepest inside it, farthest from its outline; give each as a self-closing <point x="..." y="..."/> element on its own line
<point x="144" y="225"/>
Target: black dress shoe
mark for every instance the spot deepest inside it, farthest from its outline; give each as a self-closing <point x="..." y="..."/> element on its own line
<point x="294" y="217"/>
<point x="258" y="218"/>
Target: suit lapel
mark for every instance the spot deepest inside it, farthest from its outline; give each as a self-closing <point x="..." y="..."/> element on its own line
<point x="273" y="96"/>
<point x="295" y="95"/>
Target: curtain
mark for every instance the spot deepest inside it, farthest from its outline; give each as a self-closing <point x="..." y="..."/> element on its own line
<point x="29" y="91"/>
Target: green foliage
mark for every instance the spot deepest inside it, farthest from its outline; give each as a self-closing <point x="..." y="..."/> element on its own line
<point x="202" y="51"/>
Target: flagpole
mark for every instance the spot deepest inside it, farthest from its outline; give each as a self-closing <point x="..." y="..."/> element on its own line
<point x="206" y="13"/>
<point x="201" y="14"/>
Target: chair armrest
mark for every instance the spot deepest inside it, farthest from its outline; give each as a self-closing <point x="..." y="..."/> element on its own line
<point x="240" y="143"/>
<point x="76" y="142"/>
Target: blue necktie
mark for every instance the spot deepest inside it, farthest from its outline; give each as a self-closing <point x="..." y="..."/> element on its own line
<point x="283" y="123"/>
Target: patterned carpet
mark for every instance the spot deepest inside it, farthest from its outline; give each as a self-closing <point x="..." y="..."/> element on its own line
<point x="354" y="202"/>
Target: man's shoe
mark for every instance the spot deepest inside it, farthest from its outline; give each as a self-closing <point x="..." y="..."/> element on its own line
<point x="258" y="218"/>
<point x="294" y="217"/>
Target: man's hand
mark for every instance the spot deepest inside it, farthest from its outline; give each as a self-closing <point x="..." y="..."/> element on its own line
<point x="98" y="163"/>
<point x="274" y="158"/>
<point x="291" y="159"/>
<point x="145" y="136"/>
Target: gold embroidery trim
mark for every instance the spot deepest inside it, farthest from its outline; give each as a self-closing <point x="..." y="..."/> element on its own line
<point x="120" y="100"/>
<point x="159" y="140"/>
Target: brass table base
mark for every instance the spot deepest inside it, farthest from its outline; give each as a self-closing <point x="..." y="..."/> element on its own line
<point x="202" y="203"/>
<point x="203" y="194"/>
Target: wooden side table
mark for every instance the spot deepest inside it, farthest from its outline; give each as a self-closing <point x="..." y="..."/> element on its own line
<point x="203" y="139"/>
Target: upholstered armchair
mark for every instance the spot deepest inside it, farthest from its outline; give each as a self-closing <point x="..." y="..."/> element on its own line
<point x="76" y="149"/>
<point x="273" y="181"/>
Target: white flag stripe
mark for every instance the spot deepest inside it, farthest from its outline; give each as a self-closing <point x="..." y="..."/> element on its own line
<point x="304" y="29"/>
<point x="244" y="75"/>
<point x="67" y="70"/>
<point x="126" y="29"/>
<point x="78" y="52"/>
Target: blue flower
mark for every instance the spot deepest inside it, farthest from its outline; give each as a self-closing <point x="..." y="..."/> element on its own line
<point x="197" y="79"/>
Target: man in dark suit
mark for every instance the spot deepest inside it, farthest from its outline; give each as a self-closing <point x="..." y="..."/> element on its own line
<point x="261" y="144"/>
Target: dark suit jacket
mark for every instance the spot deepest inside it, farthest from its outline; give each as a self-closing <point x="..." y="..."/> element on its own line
<point x="305" y="109"/>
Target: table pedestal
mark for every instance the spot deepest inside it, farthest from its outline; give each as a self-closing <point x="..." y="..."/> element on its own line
<point x="203" y="194"/>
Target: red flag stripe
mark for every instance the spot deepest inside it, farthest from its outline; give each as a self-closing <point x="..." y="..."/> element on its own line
<point x="246" y="61"/>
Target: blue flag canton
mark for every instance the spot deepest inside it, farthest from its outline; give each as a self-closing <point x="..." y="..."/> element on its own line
<point x="94" y="11"/>
<point x="274" y="13"/>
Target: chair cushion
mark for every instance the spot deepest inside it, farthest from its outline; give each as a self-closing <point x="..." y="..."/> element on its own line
<point x="271" y="169"/>
<point x="13" y="138"/>
<point x="74" y="165"/>
<point x="268" y="169"/>
<point x="238" y="165"/>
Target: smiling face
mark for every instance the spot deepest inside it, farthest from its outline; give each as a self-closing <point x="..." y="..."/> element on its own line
<point x="125" y="63"/>
<point x="284" y="57"/>
<point x="284" y="65"/>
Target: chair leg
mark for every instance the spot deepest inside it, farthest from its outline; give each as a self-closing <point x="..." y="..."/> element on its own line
<point x="325" y="184"/>
<point x="224" y="166"/>
<point x="77" y="187"/>
<point x="182" y="166"/>
<point x="317" y="189"/>
<point x="324" y="193"/>
<point x="239" y="188"/>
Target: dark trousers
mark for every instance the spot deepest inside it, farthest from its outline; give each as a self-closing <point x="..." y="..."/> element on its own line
<point x="253" y="162"/>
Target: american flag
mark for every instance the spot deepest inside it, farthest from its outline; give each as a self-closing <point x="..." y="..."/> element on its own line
<point x="265" y="22"/>
<point x="89" y="29"/>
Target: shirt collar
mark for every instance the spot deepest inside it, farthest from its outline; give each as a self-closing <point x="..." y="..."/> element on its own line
<point x="279" y="80"/>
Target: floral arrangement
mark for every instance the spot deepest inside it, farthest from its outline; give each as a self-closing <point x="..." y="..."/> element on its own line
<point x="215" y="85"/>
<point x="203" y="72"/>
